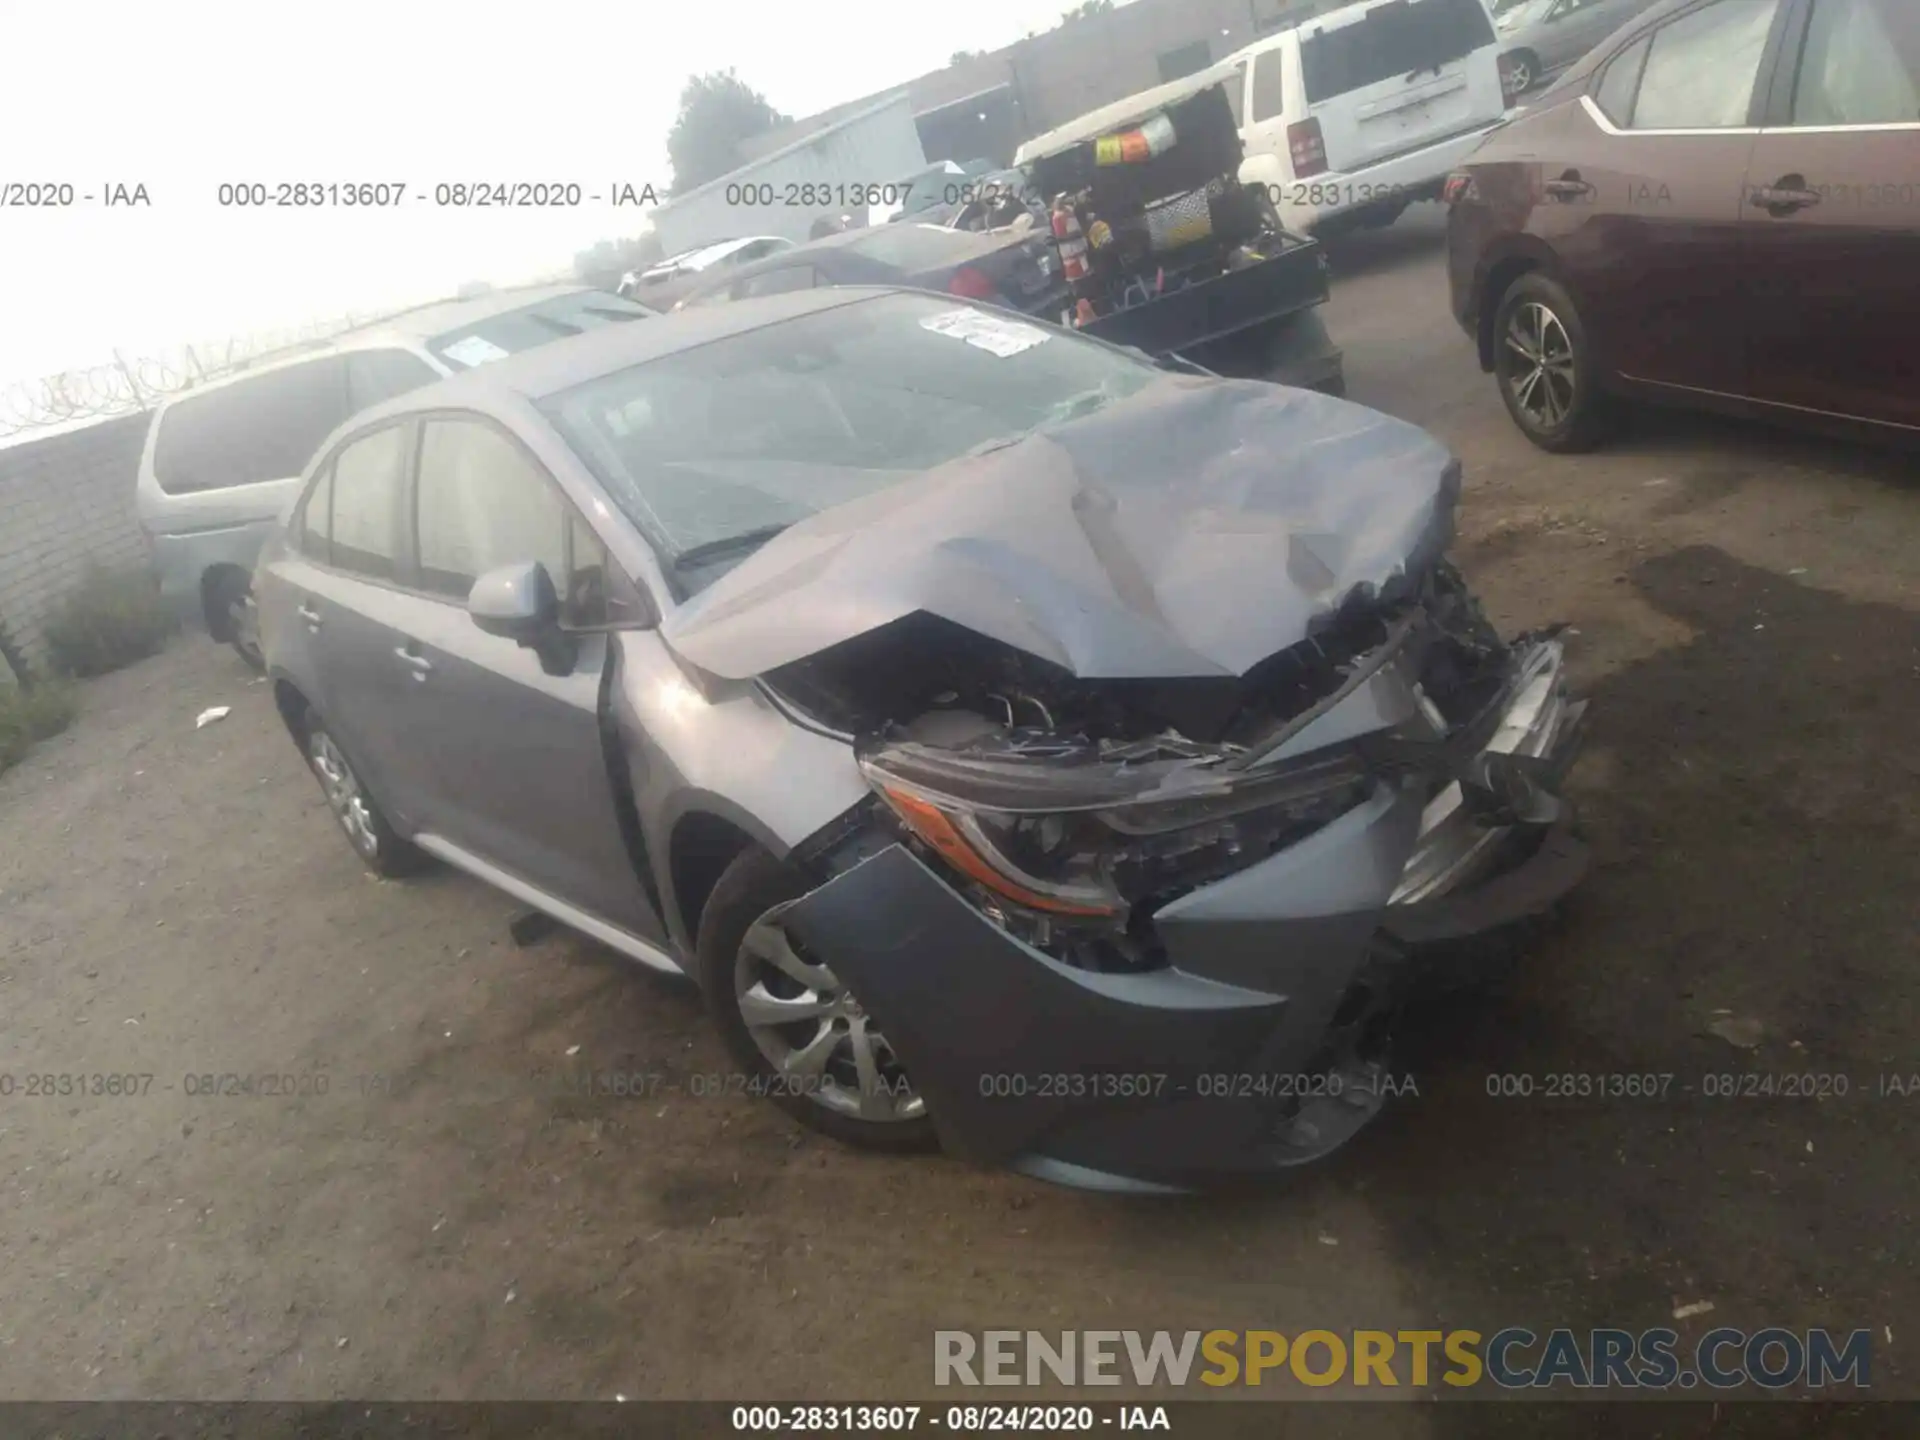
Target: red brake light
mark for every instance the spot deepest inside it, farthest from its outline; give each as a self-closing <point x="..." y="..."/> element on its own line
<point x="1307" y="147"/>
<point x="970" y="284"/>
<point x="1459" y="187"/>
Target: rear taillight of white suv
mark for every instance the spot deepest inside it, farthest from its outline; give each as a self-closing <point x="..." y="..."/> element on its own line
<point x="1459" y="186"/>
<point x="1307" y="148"/>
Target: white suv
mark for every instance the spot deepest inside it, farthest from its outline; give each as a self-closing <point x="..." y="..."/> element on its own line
<point x="1351" y="116"/>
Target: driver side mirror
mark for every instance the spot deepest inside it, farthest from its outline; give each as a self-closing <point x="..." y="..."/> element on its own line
<point x="519" y="603"/>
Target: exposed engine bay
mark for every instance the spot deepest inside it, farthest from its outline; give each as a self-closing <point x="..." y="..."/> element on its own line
<point x="1073" y="809"/>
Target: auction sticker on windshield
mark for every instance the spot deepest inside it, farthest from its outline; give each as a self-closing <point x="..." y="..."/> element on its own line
<point x="474" y="350"/>
<point x="989" y="332"/>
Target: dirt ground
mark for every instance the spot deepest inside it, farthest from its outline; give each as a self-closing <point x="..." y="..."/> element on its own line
<point x="444" y="1223"/>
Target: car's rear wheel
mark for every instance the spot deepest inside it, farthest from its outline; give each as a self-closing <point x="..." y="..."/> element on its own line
<point x="797" y="1033"/>
<point x="360" y="817"/>
<point x="1545" y="367"/>
<point x="1522" y="71"/>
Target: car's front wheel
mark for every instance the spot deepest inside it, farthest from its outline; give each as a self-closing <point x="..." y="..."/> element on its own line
<point x="797" y="1033"/>
<point x="1545" y="367"/>
<point x="359" y="815"/>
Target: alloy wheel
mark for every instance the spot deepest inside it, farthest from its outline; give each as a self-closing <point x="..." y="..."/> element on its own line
<point x="344" y="796"/>
<point x="1519" y="77"/>
<point x="813" y="1031"/>
<point x="1541" y="381"/>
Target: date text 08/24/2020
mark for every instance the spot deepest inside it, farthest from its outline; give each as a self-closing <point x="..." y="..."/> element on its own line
<point x="584" y="1082"/>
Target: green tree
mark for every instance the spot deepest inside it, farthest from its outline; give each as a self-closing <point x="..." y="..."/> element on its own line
<point x="717" y="112"/>
<point x="1086" y="10"/>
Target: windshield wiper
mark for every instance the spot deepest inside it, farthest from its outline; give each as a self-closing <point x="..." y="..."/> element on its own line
<point x="726" y="545"/>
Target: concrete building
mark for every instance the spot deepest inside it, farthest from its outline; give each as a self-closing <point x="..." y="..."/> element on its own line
<point x="984" y="105"/>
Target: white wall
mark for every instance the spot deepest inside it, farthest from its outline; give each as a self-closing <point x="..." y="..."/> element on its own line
<point x="876" y="149"/>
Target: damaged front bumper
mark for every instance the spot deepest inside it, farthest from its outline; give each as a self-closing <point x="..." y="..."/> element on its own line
<point x="1260" y="1044"/>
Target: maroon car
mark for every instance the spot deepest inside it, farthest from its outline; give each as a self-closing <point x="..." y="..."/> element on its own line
<point x="1719" y="206"/>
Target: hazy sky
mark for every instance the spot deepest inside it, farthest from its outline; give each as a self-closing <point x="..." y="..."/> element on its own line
<point x="183" y="95"/>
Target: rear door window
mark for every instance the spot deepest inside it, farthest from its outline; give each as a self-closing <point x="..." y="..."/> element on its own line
<point x="1701" y="68"/>
<point x="1399" y="38"/>
<point x="1268" y="90"/>
<point x="1861" y="65"/>
<point x="758" y="250"/>
<point x="1621" y="82"/>
<point x="258" y="428"/>
<point x="367" y="476"/>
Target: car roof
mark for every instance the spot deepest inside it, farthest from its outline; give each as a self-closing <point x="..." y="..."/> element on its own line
<point x="780" y="260"/>
<point x="437" y="317"/>
<point x="579" y="359"/>
<point x="419" y="324"/>
<point x="846" y="240"/>
<point x="703" y="255"/>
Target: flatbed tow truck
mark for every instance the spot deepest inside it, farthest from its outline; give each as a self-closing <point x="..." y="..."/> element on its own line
<point x="1181" y="260"/>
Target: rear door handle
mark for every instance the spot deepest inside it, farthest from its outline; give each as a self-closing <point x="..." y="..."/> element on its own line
<point x="1786" y="195"/>
<point x="313" y="617"/>
<point x="1569" y="187"/>
<point x="419" y="664"/>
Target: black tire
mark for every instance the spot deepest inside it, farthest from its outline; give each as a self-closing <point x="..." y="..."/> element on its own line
<point x="1380" y="217"/>
<point x="232" y="600"/>
<point x="749" y="887"/>
<point x="1297" y="351"/>
<point x="1559" y="405"/>
<point x="1520" y="63"/>
<point x="367" y="829"/>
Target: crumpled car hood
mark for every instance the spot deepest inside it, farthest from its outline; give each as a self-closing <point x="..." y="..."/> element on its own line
<point x="1194" y="529"/>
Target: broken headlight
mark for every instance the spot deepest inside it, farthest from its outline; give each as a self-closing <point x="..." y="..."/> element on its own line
<point x="1077" y="836"/>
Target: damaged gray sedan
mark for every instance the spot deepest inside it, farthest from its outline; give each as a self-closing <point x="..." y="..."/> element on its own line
<point x="1026" y="747"/>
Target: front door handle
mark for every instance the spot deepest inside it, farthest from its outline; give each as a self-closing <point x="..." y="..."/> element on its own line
<point x="1785" y="196"/>
<point x="312" y="616"/>
<point x="1569" y="187"/>
<point x="419" y="664"/>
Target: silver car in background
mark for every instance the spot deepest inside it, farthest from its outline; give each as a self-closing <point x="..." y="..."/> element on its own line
<point x="659" y="285"/>
<point x="1021" y="744"/>
<point x="222" y="460"/>
<point x="1539" y="38"/>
